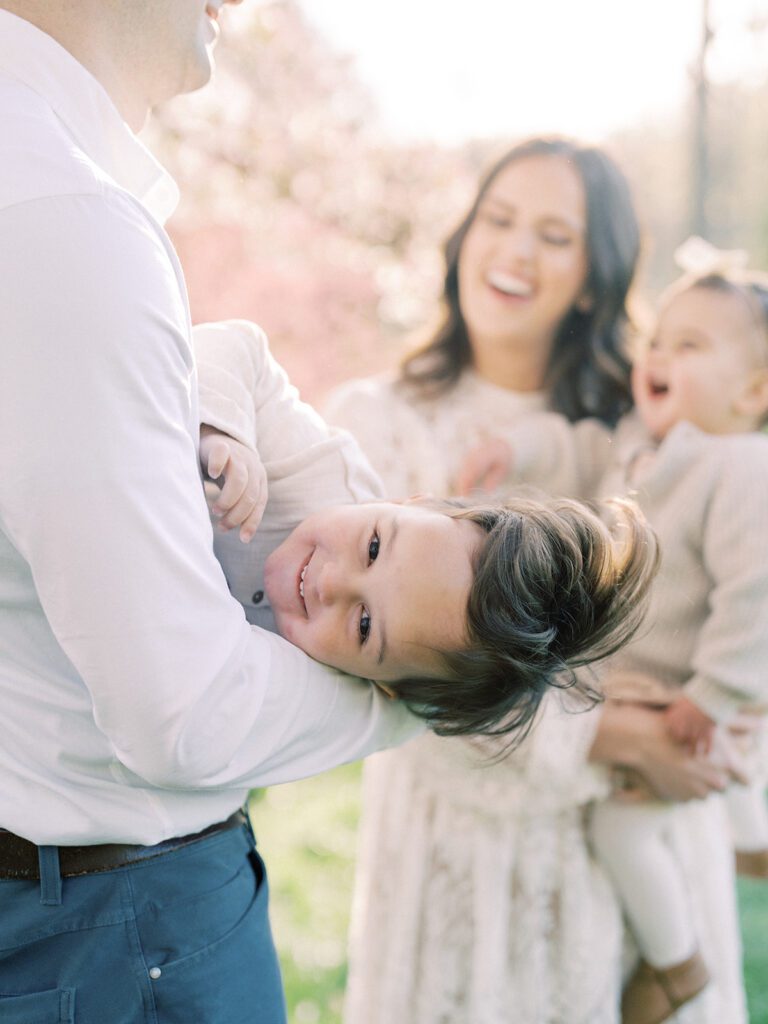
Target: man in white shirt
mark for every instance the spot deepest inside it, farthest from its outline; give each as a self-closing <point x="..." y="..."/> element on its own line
<point x="137" y="706"/>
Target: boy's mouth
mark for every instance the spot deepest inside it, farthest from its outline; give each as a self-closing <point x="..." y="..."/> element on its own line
<point x="302" y="574"/>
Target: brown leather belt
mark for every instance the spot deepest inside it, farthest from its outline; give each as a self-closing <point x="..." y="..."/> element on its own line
<point x="19" y="857"/>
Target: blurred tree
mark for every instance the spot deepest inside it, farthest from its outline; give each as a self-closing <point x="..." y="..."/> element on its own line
<point x="299" y="213"/>
<point x="296" y="211"/>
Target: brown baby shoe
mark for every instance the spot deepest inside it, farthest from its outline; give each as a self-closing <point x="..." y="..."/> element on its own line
<point x="653" y="994"/>
<point x="752" y="863"/>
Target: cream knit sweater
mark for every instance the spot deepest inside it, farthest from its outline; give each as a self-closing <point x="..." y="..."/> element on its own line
<point x="707" y="498"/>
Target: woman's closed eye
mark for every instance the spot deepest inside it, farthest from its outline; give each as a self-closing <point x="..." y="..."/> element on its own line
<point x="495" y="218"/>
<point x="556" y="238"/>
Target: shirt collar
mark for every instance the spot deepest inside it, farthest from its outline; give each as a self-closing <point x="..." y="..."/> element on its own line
<point x="82" y="104"/>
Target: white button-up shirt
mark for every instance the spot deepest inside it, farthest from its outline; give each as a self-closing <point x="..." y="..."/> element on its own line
<point x="136" y="702"/>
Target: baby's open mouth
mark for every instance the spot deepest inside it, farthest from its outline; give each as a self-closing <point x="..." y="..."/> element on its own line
<point x="658" y="389"/>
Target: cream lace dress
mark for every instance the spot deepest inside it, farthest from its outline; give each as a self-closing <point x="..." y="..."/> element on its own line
<point x="476" y="898"/>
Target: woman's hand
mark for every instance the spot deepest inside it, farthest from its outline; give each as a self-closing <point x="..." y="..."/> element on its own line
<point x="241" y="478"/>
<point x="637" y="737"/>
<point x="485" y="467"/>
<point x="689" y="725"/>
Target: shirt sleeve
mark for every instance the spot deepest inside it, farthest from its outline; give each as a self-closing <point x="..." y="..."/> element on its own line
<point x="245" y="393"/>
<point x="729" y="665"/>
<point x="100" y="493"/>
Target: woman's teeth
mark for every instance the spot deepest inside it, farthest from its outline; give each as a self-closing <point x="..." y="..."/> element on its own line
<point x="509" y="284"/>
<point x="301" y="581"/>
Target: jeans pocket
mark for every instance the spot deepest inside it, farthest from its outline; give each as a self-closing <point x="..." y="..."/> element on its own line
<point x="234" y="978"/>
<point x="56" y="1006"/>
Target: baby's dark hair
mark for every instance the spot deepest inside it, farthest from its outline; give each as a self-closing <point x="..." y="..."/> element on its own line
<point x="558" y="584"/>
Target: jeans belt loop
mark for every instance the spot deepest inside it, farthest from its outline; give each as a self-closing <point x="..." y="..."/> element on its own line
<point x="50" y="876"/>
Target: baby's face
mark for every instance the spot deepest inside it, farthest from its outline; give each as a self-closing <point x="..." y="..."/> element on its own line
<point x="699" y="365"/>
<point x="375" y="589"/>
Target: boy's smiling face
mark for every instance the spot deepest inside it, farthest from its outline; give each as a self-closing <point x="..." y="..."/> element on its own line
<point x="703" y="365"/>
<point x="375" y="590"/>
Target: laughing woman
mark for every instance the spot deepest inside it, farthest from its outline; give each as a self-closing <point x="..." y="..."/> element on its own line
<point x="477" y="899"/>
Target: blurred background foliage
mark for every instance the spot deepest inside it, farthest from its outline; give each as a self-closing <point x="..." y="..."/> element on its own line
<point x="300" y="213"/>
<point x="307" y="835"/>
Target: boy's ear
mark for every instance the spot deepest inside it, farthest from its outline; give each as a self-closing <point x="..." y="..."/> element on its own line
<point x="386" y="689"/>
<point x="753" y="401"/>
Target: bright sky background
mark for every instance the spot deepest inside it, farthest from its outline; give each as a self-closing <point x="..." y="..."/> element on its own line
<point x="447" y="70"/>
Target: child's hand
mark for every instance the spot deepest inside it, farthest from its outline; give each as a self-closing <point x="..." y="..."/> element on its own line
<point x="485" y="467"/>
<point x="243" y="491"/>
<point x="688" y="724"/>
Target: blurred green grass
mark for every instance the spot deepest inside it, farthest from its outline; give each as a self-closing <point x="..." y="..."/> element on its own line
<point x="307" y="833"/>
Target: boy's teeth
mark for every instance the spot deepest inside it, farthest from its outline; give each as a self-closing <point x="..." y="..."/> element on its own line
<point x="509" y="284"/>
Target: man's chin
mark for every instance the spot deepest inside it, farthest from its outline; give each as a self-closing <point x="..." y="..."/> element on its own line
<point x="199" y="70"/>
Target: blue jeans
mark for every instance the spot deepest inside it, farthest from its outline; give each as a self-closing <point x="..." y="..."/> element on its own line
<point x="179" y="939"/>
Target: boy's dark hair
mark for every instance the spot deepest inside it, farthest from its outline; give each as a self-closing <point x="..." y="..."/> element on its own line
<point x="558" y="584"/>
<point x="588" y="372"/>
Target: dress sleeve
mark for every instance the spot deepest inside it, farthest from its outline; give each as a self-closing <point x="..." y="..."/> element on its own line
<point x="551" y="452"/>
<point x="393" y="435"/>
<point x="729" y="665"/>
<point x="102" y="498"/>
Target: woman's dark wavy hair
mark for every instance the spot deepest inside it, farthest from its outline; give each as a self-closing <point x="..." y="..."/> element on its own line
<point x="588" y="372"/>
<point x="557" y="585"/>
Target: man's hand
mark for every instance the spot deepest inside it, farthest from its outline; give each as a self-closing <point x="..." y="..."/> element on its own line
<point x="241" y="478"/>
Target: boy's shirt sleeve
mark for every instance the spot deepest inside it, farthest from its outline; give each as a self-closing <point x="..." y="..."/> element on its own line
<point x="245" y="393"/>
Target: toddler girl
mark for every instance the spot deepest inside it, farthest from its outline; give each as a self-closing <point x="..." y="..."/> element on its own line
<point x="692" y="457"/>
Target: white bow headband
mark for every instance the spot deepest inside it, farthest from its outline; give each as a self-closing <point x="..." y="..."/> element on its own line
<point x="699" y="257"/>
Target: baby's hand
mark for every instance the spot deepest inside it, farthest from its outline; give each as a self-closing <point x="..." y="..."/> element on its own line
<point x="688" y="724"/>
<point x="242" y="493"/>
<point x="485" y="467"/>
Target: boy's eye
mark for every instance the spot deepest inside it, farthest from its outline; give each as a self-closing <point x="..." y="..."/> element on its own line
<point x="373" y="548"/>
<point x="365" y="626"/>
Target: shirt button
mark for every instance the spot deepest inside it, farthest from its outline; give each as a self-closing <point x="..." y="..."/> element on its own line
<point x="258" y="597"/>
<point x="154" y="973"/>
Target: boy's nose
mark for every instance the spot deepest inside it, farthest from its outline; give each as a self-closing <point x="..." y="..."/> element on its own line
<point x="332" y="583"/>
